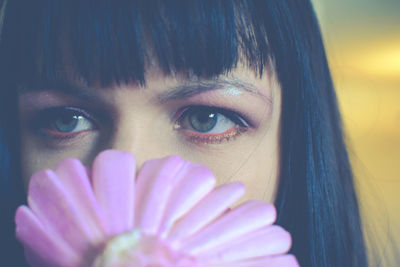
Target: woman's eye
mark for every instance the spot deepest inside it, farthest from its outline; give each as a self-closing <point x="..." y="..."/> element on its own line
<point x="61" y="122"/>
<point x="210" y="124"/>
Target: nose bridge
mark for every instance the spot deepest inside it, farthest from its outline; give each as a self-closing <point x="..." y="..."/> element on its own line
<point x="138" y="126"/>
<point x="135" y="135"/>
<point x="128" y="138"/>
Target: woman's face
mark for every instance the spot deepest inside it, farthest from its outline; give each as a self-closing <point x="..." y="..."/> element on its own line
<point x="230" y="124"/>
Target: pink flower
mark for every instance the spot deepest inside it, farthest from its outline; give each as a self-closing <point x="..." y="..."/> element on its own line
<point x="170" y="214"/>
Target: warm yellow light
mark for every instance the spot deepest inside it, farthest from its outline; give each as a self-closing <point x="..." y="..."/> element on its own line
<point x="373" y="60"/>
<point x="385" y="61"/>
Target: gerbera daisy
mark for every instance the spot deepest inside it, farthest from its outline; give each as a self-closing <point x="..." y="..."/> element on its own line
<point x="169" y="214"/>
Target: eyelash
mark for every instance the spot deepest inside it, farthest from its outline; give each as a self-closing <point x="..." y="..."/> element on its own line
<point x="240" y="125"/>
<point x="44" y="120"/>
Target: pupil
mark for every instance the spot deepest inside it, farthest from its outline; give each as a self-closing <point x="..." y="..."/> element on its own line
<point x="66" y="122"/>
<point x="203" y="121"/>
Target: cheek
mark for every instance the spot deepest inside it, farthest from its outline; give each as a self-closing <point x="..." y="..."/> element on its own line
<point x="260" y="177"/>
<point x="254" y="162"/>
<point x="36" y="156"/>
<point x="259" y="171"/>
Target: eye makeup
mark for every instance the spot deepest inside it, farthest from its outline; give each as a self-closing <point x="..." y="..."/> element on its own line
<point x="227" y="136"/>
<point x="252" y="109"/>
<point x="61" y="123"/>
<point x="212" y="125"/>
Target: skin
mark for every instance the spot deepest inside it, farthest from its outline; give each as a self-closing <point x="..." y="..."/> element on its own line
<point x="150" y="122"/>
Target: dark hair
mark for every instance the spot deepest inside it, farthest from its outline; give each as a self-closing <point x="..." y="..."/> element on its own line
<point x="115" y="41"/>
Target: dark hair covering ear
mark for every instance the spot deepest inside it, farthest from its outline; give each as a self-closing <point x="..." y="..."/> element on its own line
<point x="316" y="197"/>
<point x="11" y="190"/>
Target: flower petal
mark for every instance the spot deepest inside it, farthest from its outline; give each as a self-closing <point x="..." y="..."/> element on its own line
<point x="212" y="206"/>
<point x="248" y="217"/>
<point x="113" y="178"/>
<point x="74" y="177"/>
<point x="276" y="261"/>
<point x="41" y="244"/>
<point x="155" y="183"/>
<point x="196" y="182"/>
<point x="268" y="241"/>
<point x="53" y="205"/>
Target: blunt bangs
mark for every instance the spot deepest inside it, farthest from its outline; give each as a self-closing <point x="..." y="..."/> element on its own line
<point x="107" y="41"/>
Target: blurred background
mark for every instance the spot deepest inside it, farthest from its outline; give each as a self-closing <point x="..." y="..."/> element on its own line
<point x="362" y="38"/>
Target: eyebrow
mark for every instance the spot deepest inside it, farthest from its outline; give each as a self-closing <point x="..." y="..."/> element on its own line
<point x="82" y="93"/>
<point x="192" y="88"/>
<point x="184" y="91"/>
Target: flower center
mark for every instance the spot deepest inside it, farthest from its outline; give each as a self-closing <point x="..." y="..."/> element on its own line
<point x="135" y="248"/>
